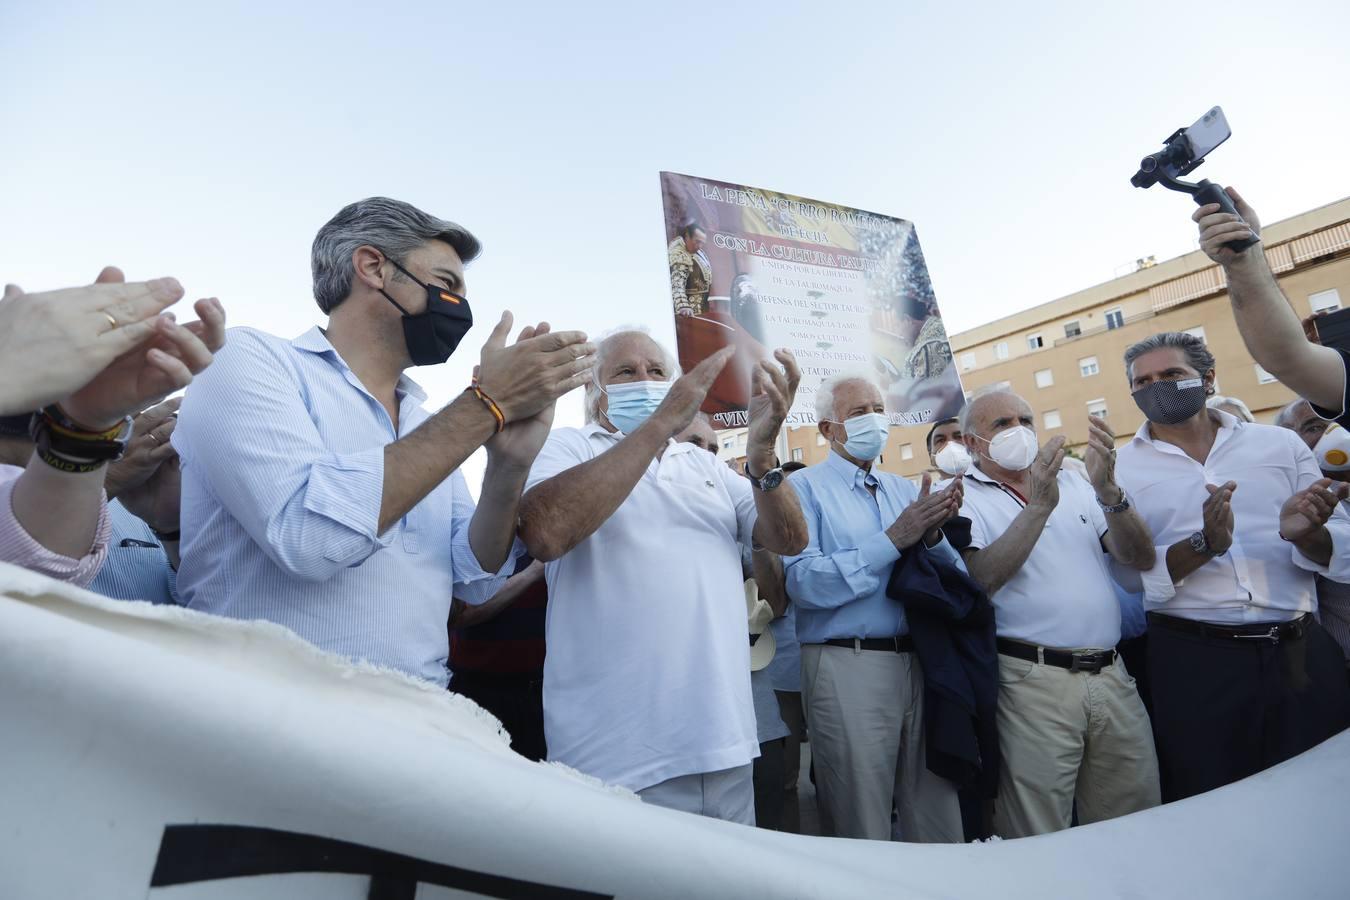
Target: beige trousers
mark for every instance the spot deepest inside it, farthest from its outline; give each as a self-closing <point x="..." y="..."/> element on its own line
<point x="1070" y="737"/>
<point x="864" y="709"/>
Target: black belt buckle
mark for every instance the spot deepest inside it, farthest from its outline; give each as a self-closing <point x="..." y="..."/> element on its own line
<point x="1091" y="663"/>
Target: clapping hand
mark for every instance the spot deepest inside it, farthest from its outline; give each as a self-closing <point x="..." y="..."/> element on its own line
<point x="923" y="518"/>
<point x="1043" y="488"/>
<point x="162" y="363"/>
<point x="148" y="449"/>
<point x="1101" y="461"/>
<point x="55" y="342"/>
<point x="689" y="391"/>
<point x="520" y="441"/>
<point x="772" y="391"/>
<point x="1218" y="516"/>
<point x="1309" y="509"/>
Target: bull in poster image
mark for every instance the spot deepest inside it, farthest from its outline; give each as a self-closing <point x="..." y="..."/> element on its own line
<point x="845" y="290"/>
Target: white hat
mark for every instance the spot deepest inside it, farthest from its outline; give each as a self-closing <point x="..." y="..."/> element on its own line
<point x="758" y="614"/>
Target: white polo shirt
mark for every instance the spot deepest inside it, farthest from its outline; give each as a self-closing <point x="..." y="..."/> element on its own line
<point x="647" y="674"/>
<point x="1062" y="597"/>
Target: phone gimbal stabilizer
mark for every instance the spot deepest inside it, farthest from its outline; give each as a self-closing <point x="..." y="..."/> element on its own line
<point x="1178" y="154"/>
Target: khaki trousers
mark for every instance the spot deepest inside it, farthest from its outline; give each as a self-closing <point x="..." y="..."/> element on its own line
<point x="728" y="794"/>
<point x="864" y="709"/>
<point x="1070" y="737"/>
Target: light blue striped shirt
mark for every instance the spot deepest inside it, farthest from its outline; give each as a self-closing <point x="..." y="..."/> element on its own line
<point x="137" y="567"/>
<point x="838" y="583"/>
<point x="282" y="454"/>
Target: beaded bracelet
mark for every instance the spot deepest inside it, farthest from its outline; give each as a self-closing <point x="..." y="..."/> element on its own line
<point x="491" y="404"/>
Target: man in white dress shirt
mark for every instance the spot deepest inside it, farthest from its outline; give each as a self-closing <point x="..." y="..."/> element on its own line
<point x="647" y="678"/>
<point x="1072" y="728"/>
<point x="1242" y="675"/>
<point x="319" y="494"/>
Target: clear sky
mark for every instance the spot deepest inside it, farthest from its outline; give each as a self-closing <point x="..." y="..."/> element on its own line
<point x="210" y="141"/>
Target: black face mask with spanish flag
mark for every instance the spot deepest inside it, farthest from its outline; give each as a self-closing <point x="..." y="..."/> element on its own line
<point x="433" y="335"/>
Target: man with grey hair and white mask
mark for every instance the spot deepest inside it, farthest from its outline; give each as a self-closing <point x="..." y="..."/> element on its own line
<point x="317" y="493"/>
<point x="861" y="681"/>
<point x="647" y="678"/>
<point x="1072" y="728"/>
<point x="1241" y="674"/>
<point x="1330" y="446"/>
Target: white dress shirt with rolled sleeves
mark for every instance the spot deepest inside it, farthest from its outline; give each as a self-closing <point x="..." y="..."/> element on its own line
<point x="1262" y="577"/>
<point x="282" y="452"/>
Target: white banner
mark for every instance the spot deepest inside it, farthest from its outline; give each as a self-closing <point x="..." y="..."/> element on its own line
<point x="158" y="753"/>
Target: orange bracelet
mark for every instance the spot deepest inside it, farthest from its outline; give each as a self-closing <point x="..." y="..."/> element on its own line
<point x="489" y="403"/>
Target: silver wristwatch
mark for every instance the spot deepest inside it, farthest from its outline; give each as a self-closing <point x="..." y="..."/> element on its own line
<point x="1123" y="505"/>
<point x="768" y="481"/>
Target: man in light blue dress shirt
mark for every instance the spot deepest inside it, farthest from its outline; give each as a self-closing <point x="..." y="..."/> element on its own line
<point x="861" y="682"/>
<point x="318" y="493"/>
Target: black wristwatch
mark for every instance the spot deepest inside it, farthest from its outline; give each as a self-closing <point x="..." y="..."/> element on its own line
<point x="1200" y="544"/>
<point x="768" y="481"/>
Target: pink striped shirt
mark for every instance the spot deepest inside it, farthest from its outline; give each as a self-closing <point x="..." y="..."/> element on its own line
<point x="17" y="546"/>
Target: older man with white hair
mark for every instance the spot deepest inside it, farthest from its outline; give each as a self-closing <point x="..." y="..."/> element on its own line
<point x="861" y="681"/>
<point x="1072" y="728"/>
<point x="647" y="679"/>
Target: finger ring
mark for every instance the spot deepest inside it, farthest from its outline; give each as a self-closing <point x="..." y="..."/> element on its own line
<point x="151" y="436"/>
<point x="112" y="320"/>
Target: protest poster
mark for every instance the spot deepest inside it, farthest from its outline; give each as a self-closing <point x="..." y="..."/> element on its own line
<point x="846" y="290"/>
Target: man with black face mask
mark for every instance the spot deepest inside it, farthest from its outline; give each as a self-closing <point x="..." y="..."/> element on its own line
<point x="318" y="494"/>
<point x="1241" y="674"/>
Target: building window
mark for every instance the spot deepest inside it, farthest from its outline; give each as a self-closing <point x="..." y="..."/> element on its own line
<point x="967" y="361"/>
<point x="1114" y="318"/>
<point x="1262" y="376"/>
<point x="820" y="439"/>
<point x="1001" y="350"/>
<point x="1097" y="408"/>
<point x="1071" y="330"/>
<point x="1087" y="366"/>
<point x="906" y="451"/>
<point x="1003" y="386"/>
<point x="1035" y="342"/>
<point x="1052" y="419"/>
<point x="1197" y="331"/>
<point x="727" y="442"/>
<point x="1044" y="378"/>
<point x="1325" y="301"/>
<point x="797" y="454"/>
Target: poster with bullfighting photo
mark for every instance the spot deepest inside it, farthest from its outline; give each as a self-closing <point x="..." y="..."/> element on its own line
<point x="845" y="290"/>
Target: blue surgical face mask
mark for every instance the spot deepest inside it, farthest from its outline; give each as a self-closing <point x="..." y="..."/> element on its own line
<point x="867" y="435"/>
<point x="632" y="402"/>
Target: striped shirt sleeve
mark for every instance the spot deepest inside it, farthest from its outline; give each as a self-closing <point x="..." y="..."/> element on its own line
<point x="17" y="546"/>
<point x="245" y="428"/>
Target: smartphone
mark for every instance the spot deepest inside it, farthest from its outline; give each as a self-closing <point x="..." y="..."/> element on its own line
<point x="1208" y="132"/>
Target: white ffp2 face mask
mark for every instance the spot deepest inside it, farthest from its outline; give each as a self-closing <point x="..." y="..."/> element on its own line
<point x="1014" y="448"/>
<point x="953" y="459"/>
<point x="1333" y="449"/>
